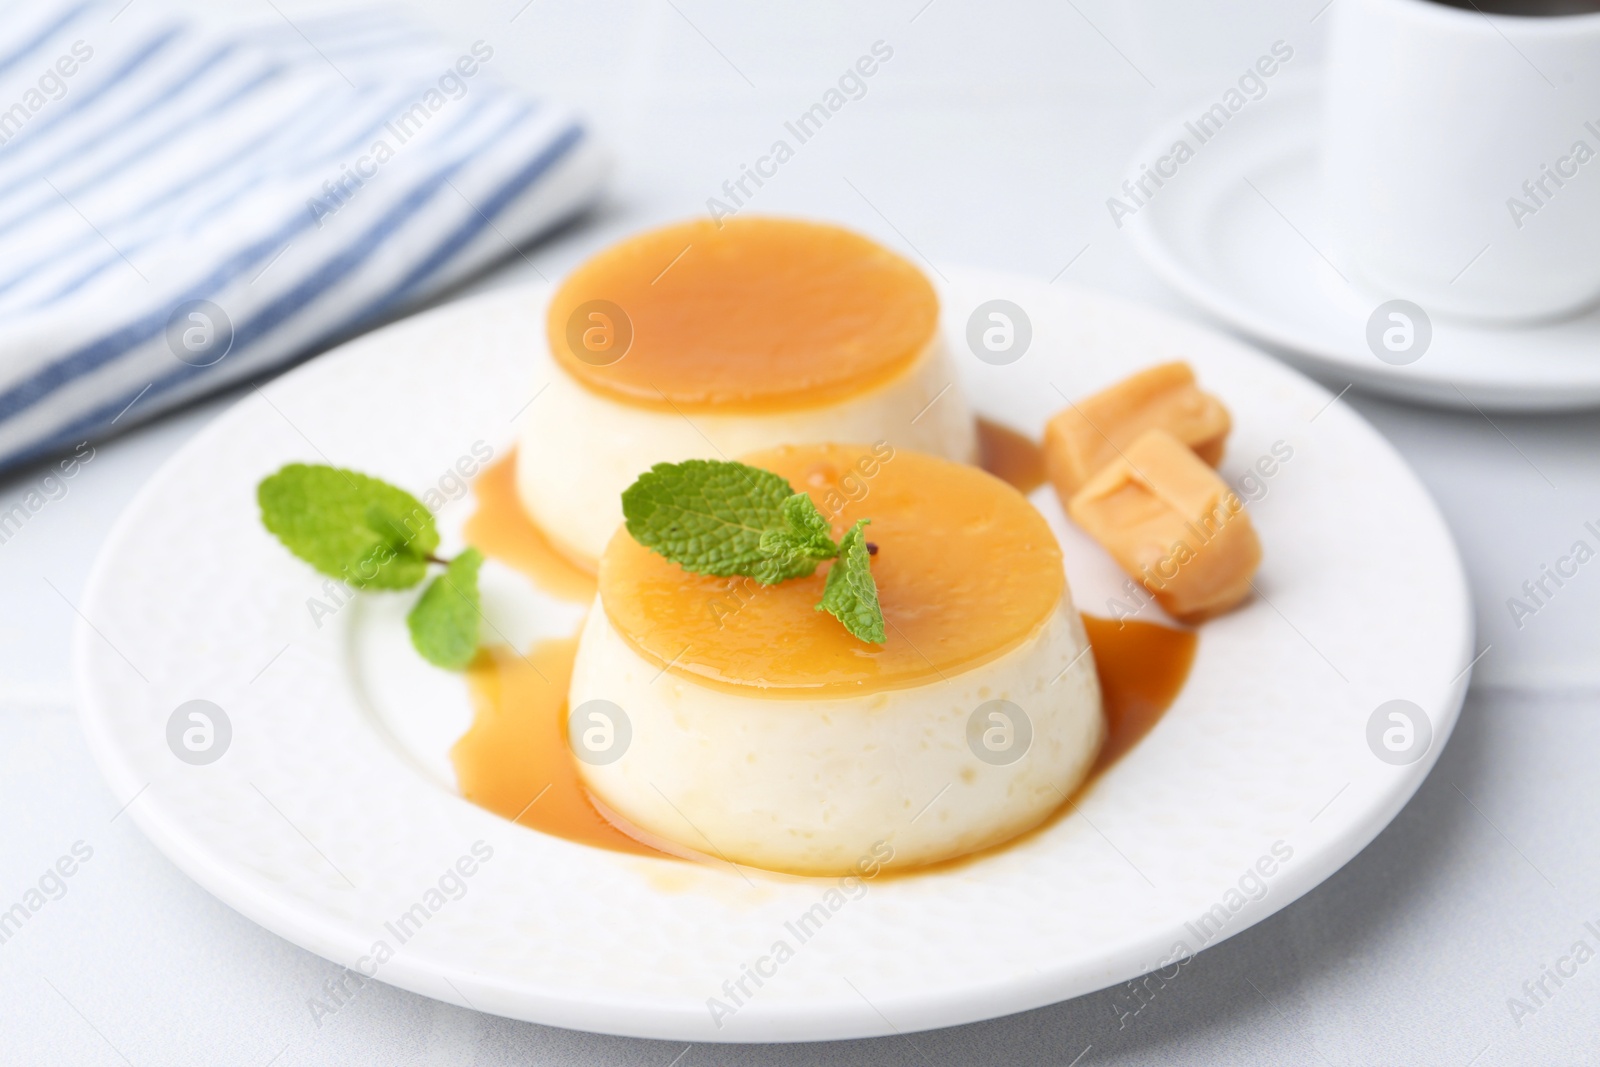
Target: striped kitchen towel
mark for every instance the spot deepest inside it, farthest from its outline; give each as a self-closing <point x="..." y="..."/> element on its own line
<point x="185" y="204"/>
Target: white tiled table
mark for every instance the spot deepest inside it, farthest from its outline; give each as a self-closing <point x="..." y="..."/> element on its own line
<point x="992" y="137"/>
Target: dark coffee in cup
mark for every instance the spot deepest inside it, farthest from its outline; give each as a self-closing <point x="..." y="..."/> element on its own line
<point x="1527" y="8"/>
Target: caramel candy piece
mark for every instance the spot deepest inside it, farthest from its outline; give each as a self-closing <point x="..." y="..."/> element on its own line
<point x="1081" y="440"/>
<point x="1173" y="524"/>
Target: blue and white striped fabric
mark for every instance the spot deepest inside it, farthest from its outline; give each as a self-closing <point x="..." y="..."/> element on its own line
<point x="183" y="206"/>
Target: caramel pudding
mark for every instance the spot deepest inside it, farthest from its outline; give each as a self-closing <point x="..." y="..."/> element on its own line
<point x="699" y="341"/>
<point x="764" y="733"/>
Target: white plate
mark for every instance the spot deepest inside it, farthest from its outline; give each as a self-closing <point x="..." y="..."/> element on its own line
<point x="332" y="811"/>
<point x="1260" y="259"/>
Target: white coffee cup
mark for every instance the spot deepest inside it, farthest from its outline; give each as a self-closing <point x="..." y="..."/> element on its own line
<point x="1461" y="156"/>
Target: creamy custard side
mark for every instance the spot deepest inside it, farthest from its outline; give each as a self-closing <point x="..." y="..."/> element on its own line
<point x="762" y="731"/>
<point x="698" y="341"/>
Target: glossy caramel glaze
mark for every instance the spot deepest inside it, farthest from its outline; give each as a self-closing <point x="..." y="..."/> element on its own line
<point x="1014" y="458"/>
<point x="966" y="570"/>
<point x="515" y="760"/>
<point x="500" y="529"/>
<point x="1142" y="668"/>
<point x="750" y="314"/>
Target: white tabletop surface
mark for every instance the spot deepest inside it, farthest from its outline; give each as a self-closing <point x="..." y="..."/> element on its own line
<point x="992" y="137"/>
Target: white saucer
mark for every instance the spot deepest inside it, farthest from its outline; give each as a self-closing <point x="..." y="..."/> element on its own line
<point x="1255" y="259"/>
<point x="332" y="811"/>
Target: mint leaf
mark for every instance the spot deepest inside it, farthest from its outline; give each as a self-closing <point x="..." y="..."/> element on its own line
<point x="444" y="621"/>
<point x="794" y="550"/>
<point x="707" y="516"/>
<point x="726" y="519"/>
<point x="388" y="526"/>
<point x="349" y="526"/>
<point x="850" y="594"/>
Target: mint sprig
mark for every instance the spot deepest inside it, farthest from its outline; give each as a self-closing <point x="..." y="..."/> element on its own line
<point x="373" y="535"/>
<point x="725" y="519"/>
